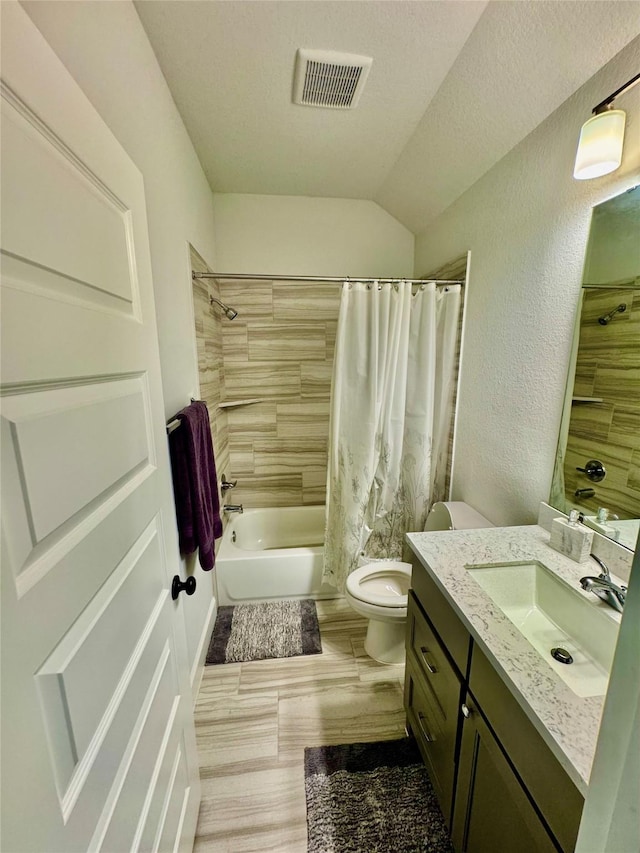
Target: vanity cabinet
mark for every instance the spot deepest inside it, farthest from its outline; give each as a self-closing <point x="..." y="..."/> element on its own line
<point x="433" y="688"/>
<point x="499" y="785"/>
<point x="492" y="807"/>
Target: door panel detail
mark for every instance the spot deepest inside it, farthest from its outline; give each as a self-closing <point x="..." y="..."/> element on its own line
<point x="63" y="218"/>
<point x="70" y="455"/>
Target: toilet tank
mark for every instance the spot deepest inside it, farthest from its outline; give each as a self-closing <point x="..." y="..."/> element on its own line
<point x="455" y="515"/>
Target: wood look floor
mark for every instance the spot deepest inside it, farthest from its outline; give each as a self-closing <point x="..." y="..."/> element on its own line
<point x="253" y="721"/>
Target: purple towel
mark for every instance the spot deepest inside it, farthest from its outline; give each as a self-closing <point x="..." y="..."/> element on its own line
<point x="195" y="484"/>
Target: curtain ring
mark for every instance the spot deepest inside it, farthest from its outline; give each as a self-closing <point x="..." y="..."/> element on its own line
<point x="422" y="287"/>
<point x="369" y="286"/>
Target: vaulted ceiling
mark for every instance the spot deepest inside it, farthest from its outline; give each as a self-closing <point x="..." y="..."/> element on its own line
<point x="455" y="84"/>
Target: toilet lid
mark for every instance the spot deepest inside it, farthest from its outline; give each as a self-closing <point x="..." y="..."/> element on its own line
<point x="383" y="584"/>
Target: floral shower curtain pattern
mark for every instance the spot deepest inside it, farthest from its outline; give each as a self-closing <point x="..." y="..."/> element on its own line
<point x="391" y="406"/>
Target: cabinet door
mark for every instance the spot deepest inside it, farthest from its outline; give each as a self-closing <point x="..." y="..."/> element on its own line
<point x="492" y="811"/>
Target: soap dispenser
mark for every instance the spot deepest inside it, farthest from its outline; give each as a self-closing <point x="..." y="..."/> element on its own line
<point x="603" y="525"/>
<point x="571" y="538"/>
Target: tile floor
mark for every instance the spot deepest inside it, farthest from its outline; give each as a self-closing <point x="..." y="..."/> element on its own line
<point x="253" y="721"/>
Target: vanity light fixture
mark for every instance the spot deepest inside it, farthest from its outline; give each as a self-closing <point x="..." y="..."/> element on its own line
<point x="602" y="137"/>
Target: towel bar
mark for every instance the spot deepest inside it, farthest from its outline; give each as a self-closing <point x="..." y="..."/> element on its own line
<point x="174" y="423"/>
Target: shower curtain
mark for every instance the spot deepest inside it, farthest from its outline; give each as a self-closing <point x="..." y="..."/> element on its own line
<point x="391" y="408"/>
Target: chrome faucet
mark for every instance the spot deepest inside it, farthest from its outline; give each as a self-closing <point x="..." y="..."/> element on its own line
<point x="604" y="587"/>
<point x="225" y="484"/>
<point x="605" y="574"/>
<point x="233" y="508"/>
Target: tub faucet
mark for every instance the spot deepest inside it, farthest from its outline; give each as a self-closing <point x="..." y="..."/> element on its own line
<point x="225" y="484"/>
<point x="233" y="508"/>
<point x="604" y="587"/>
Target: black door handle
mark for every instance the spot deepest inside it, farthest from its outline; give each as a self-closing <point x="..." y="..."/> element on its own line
<point x="189" y="586"/>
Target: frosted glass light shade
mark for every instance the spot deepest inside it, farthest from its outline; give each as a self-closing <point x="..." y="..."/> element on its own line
<point x="600" y="145"/>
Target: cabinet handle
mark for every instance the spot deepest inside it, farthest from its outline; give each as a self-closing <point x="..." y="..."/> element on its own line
<point x="425" y="734"/>
<point x="466" y="711"/>
<point x="424" y="651"/>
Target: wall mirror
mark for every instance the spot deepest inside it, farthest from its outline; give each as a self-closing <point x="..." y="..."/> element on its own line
<point x="597" y="465"/>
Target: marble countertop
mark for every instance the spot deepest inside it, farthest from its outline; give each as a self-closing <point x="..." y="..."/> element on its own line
<point x="568" y="723"/>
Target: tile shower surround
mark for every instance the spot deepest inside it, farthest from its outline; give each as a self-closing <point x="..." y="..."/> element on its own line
<point x="208" y="331"/>
<point x="607" y="369"/>
<point x="279" y="349"/>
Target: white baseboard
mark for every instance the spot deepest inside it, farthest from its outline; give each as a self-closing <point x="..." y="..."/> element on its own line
<point x="197" y="669"/>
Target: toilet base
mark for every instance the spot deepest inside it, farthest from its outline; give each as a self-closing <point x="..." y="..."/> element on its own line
<point x="385" y="641"/>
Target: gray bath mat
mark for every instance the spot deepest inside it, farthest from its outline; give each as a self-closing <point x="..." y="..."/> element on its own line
<point x="277" y="629"/>
<point x="372" y="798"/>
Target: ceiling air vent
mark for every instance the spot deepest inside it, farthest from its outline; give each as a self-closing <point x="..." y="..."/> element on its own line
<point x="324" y="78"/>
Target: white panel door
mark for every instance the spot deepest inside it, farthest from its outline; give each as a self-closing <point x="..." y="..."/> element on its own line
<point x="98" y="742"/>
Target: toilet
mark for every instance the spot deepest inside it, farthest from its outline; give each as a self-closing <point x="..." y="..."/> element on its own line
<point x="379" y="589"/>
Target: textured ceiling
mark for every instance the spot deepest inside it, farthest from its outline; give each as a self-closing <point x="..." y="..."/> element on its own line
<point x="453" y="87"/>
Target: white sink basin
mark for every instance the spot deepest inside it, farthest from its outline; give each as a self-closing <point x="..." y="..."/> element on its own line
<point x="549" y="614"/>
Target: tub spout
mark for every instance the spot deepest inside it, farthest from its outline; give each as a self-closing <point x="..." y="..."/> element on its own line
<point x="233" y="508"/>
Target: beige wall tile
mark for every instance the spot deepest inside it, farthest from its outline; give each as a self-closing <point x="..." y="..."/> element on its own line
<point x="633" y="479"/>
<point x="608" y="355"/>
<point x="241" y="458"/>
<point x="286" y="342"/>
<point x="253" y="420"/>
<point x="591" y="420"/>
<point x="625" y="425"/>
<point x="612" y="492"/>
<point x="314" y="485"/>
<point x="208" y="331"/>
<point x="303" y="419"/>
<point x="625" y="379"/>
<point x="234" y="342"/>
<point x="282" y="351"/>
<point x="274" y="457"/>
<point x="223" y="465"/>
<point x="256" y="379"/>
<point x="585" y="377"/>
<point x="251" y="299"/>
<point x="315" y="378"/>
<point x="330" y="331"/>
<point x="257" y="490"/>
<point x="297" y="300"/>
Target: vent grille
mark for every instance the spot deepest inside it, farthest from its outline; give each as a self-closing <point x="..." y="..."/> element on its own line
<point x="328" y="79"/>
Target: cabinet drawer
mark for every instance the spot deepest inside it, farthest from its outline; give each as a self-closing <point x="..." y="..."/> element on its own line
<point x="451" y="631"/>
<point x="431" y="660"/>
<point x="557" y="798"/>
<point x="435" y="738"/>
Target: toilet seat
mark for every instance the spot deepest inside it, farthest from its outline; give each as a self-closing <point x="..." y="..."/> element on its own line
<point x="383" y="584"/>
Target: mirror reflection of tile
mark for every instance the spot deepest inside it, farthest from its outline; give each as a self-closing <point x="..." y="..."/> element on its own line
<point x="604" y="417"/>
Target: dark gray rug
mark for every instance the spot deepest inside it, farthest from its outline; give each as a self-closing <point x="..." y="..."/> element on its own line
<point x="372" y="798"/>
<point x="276" y="629"/>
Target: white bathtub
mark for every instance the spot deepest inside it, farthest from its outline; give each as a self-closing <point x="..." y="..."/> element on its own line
<point x="272" y="553"/>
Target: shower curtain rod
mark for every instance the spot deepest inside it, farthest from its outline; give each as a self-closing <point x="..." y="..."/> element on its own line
<point x="324" y="278"/>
